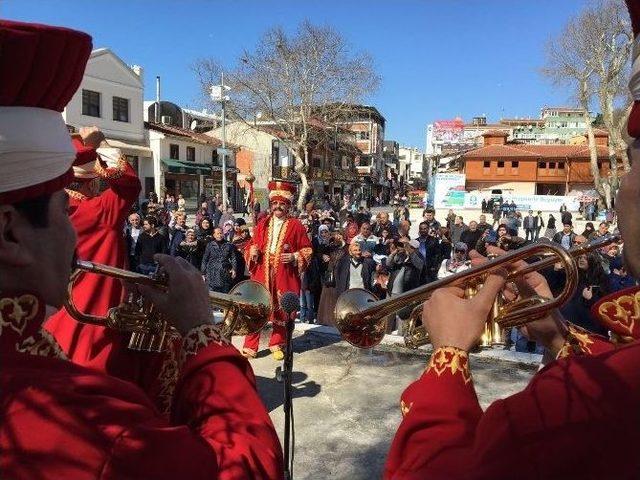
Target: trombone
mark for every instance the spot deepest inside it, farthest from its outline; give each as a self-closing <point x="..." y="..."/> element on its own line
<point x="361" y="318"/>
<point x="246" y="307"/>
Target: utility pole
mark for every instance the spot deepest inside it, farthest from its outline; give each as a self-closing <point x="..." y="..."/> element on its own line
<point x="224" y="149"/>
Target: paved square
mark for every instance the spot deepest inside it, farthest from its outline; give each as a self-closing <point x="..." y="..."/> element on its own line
<point x="346" y="401"/>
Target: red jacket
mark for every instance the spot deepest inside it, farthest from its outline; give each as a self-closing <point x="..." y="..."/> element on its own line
<point x="578" y="418"/>
<point x="61" y="420"/>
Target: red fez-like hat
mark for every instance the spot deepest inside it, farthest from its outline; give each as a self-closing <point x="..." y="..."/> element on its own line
<point x="620" y="312"/>
<point x="633" y="123"/>
<point x="282" y="191"/>
<point x="41" y="68"/>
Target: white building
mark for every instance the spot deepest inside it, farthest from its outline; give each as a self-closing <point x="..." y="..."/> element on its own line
<point x="410" y="163"/>
<point x="111" y="97"/>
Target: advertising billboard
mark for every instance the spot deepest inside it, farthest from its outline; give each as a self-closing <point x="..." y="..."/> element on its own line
<point x="447" y="190"/>
<point x="448" y="131"/>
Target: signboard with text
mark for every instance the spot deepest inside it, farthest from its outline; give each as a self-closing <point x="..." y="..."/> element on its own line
<point x="527" y="202"/>
<point x="447" y="190"/>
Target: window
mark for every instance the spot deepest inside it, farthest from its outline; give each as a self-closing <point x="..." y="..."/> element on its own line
<point x="191" y="154"/>
<point x="515" y="164"/>
<point x="174" y="151"/>
<point x="500" y="164"/>
<point x="120" y="109"/>
<point x="542" y="164"/>
<point x="90" y="103"/>
<point x="552" y="165"/>
<point x="214" y="157"/>
<point x="561" y="165"/>
<point x="362" y="136"/>
<point x="486" y="164"/>
<point x="317" y="162"/>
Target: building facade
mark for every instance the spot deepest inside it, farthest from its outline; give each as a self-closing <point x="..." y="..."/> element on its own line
<point x="528" y="169"/>
<point x="368" y="125"/>
<point x="110" y="97"/>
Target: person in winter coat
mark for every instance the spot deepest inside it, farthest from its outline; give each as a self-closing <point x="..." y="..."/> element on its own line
<point x="219" y="263"/>
<point x="190" y="249"/>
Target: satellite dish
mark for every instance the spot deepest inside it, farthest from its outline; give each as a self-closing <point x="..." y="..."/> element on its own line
<point x="194" y="124"/>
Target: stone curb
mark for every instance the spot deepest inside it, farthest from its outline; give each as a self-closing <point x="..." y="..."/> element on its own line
<point x="398" y="341"/>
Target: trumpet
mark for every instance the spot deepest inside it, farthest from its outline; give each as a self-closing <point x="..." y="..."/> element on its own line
<point x="361" y="318"/>
<point x="246" y="307"/>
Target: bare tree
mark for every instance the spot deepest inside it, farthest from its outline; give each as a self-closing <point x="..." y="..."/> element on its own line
<point x="591" y="55"/>
<point x="301" y="84"/>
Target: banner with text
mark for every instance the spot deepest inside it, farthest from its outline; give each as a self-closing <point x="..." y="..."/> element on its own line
<point x="549" y="203"/>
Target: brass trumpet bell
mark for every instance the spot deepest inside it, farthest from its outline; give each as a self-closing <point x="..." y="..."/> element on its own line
<point x="361" y="318"/>
<point x="247" y="308"/>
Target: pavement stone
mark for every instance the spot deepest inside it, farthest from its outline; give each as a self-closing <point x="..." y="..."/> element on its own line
<point x="346" y="400"/>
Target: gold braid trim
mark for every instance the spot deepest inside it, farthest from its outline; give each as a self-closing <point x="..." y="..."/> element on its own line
<point x="404" y="408"/>
<point x="168" y="377"/>
<point x="576" y="343"/>
<point x="43" y="344"/>
<point x="112" y="173"/>
<point x="304" y="258"/>
<point x="75" y="195"/>
<point x="198" y="338"/>
<point x="451" y="359"/>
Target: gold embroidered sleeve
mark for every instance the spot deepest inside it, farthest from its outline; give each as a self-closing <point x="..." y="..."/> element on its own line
<point x="199" y="338"/>
<point x="582" y="342"/>
<point x="112" y="173"/>
<point x="303" y="258"/>
<point x="450" y="361"/>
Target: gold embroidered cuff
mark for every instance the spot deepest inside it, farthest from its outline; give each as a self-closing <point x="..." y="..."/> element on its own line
<point x="450" y="359"/>
<point x="303" y="258"/>
<point x="576" y="343"/>
<point x="200" y="337"/>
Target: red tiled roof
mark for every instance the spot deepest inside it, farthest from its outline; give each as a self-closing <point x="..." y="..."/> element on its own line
<point x="535" y="151"/>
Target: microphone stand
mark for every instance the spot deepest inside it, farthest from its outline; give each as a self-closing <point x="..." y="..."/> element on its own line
<point x="283" y="374"/>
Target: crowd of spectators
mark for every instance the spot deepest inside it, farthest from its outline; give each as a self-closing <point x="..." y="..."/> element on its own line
<point x="353" y="248"/>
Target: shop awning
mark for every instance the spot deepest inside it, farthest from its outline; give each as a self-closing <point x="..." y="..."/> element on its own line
<point x="129" y="148"/>
<point x="189" y="168"/>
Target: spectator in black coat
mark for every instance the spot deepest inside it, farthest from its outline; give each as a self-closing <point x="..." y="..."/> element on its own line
<point x="190" y="249"/>
<point x="471" y="236"/>
<point x="178" y="232"/>
<point x="219" y="263"/>
<point x="150" y="242"/>
<point x="354" y="271"/>
<point x="131" y="234"/>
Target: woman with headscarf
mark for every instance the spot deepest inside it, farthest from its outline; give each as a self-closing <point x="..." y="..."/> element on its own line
<point x="227" y="230"/>
<point x="551" y="227"/>
<point x="589" y="231"/>
<point x="190" y="249"/>
<point x="311" y="285"/>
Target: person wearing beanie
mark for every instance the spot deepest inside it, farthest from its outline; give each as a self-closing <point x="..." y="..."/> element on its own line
<point x="61" y="419"/>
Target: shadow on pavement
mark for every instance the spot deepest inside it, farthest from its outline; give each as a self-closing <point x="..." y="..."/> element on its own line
<point x="271" y="391"/>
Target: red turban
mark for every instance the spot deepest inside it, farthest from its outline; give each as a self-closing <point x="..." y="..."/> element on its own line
<point x="282" y="191"/>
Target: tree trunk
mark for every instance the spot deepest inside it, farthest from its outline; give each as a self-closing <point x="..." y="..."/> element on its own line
<point x="302" y="171"/>
<point x="593" y="153"/>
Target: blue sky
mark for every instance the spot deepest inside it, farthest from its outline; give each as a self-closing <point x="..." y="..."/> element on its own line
<point x="437" y="59"/>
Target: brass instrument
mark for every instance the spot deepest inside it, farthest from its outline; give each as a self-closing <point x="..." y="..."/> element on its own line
<point x="361" y="318"/>
<point x="247" y="308"/>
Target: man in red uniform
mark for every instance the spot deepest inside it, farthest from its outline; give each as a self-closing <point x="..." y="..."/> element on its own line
<point x="98" y="219"/>
<point x="62" y="420"/>
<point x="278" y="254"/>
<point x="577" y="418"/>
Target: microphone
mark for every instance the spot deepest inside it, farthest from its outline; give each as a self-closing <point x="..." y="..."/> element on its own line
<point x="290" y="303"/>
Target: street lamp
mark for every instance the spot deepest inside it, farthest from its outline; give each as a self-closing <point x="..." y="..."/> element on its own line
<point x="218" y="94"/>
